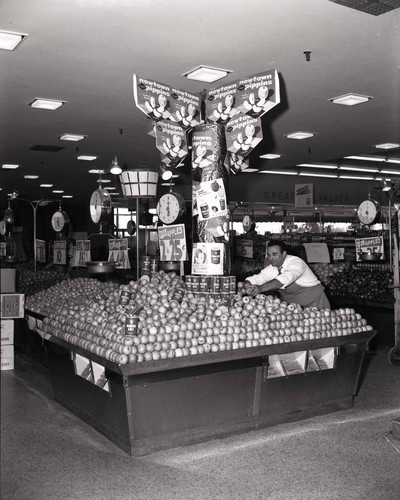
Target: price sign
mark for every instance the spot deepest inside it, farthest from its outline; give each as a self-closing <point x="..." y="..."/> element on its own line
<point x="172" y="241"/>
<point x="373" y="244"/>
<point x="82" y="254"/>
<point x="118" y="252"/>
<point x="244" y="248"/>
<point x="338" y="253"/>
<point x="40" y="250"/>
<point x="60" y="252"/>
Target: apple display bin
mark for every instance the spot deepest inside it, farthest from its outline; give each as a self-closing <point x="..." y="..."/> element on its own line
<point x="156" y="405"/>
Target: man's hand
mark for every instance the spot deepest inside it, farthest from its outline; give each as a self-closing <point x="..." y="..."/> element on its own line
<point x="251" y="289"/>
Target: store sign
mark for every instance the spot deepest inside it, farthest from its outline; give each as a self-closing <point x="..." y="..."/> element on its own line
<point x="373" y="245"/>
<point x="258" y="93"/>
<point x="207" y="258"/>
<point x="41" y="251"/>
<point x="118" y="252"/>
<point x="60" y="252"/>
<point x="171" y="141"/>
<point x="153" y="98"/>
<point x="172" y="240"/>
<point x="185" y="108"/>
<point x="243" y="133"/>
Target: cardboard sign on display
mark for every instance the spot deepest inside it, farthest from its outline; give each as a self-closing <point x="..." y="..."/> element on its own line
<point x="185" y="108"/>
<point x="236" y="163"/>
<point x="203" y="147"/>
<point x="82" y="253"/>
<point x="171" y="141"/>
<point x="221" y="103"/>
<point x="153" y="98"/>
<point x="243" y="133"/>
<point x="211" y="199"/>
<point x="258" y="93"/>
<point x="373" y="244"/>
<point x="118" y="252"/>
<point x="207" y="258"/>
<point x="172" y="240"/>
<point x="60" y="252"/>
<point x="41" y="251"/>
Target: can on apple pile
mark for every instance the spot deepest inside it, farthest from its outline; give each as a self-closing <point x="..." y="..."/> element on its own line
<point x="124" y="297"/>
<point x="196" y="284"/>
<point x="153" y="266"/>
<point x="145" y="267"/>
<point x="131" y="325"/>
<point x="189" y="282"/>
<point x="232" y="284"/>
<point x="225" y="283"/>
<point x="215" y="284"/>
<point x="204" y="284"/>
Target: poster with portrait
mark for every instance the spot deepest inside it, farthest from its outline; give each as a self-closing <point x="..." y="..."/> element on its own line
<point x="207" y="258"/>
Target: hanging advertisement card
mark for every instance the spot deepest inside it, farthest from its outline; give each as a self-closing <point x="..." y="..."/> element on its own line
<point x="203" y="147"/>
<point x="207" y="258"/>
<point x="41" y="251"/>
<point x="303" y="195"/>
<point x="221" y="103"/>
<point x="171" y="140"/>
<point x="153" y="98"/>
<point x="217" y="229"/>
<point x="258" y="93"/>
<point x="172" y="240"/>
<point x="236" y="163"/>
<point x="186" y="108"/>
<point x="82" y="253"/>
<point x="211" y="199"/>
<point x="372" y="245"/>
<point x="118" y="252"/>
<point x="242" y="134"/>
<point x="60" y="252"/>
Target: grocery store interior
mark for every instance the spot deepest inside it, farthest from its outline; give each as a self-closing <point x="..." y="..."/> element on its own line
<point x="149" y="151"/>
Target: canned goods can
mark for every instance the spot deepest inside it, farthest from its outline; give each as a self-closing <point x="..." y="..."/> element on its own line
<point x="196" y="284"/>
<point x="225" y="299"/>
<point x="178" y="295"/>
<point x="124" y="297"/>
<point x="225" y="283"/>
<point x="232" y="287"/>
<point x="154" y="265"/>
<point x="215" y="284"/>
<point x="204" y="284"/>
<point x="131" y="325"/>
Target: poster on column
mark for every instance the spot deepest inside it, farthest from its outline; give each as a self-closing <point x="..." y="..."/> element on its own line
<point x="118" y="253"/>
<point x="203" y="147"/>
<point x="258" y="93"/>
<point x="82" y="253"/>
<point x="211" y="199"/>
<point x="221" y="103"/>
<point x="171" y="141"/>
<point x="207" y="258"/>
<point x="41" y="251"/>
<point x="243" y="133"/>
<point x="186" y="108"/>
<point x="172" y="240"/>
<point x="153" y="98"/>
<point x="60" y="252"/>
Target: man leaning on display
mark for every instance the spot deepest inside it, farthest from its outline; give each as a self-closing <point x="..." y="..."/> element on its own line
<point x="290" y="276"/>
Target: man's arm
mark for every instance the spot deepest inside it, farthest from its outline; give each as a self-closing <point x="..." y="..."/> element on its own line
<point x="266" y="287"/>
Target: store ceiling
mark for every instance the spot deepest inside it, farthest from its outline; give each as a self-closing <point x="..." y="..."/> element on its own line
<point x="85" y="52"/>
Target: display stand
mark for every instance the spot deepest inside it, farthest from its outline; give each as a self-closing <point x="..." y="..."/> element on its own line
<point x="155" y="405"/>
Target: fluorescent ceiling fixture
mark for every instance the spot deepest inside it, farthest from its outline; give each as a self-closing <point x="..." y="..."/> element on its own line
<point x="360" y="169"/>
<point x="109" y="187"/>
<point x="9" y="166"/>
<point x="356" y="177"/>
<point x="87" y="157"/>
<point x="392" y="161"/>
<point x="389" y="172"/>
<point x="10" y="40"/>
<point x="46" y="185"/>
<point x="387" y="145"/>
<point x="31" y="176"/>
<point x="105" y="181"/>
<point x="366" y="158"/>
<point x="96" y="171"/>
<point x="350" y="99"/>
<point x="300" y="135"/>
<point x="168" y="184"/>
<point x="249" y="170"/>
<point x="58" y="191"/>
<point x="312" y="174"/>
<point x="271" y="156"/>
<point x="50" y="104"/>
<point x="206" y="74"/>
<point x="316" y="165"/>
<point x="67" y="196"/>
<point x="281" y="172"/>
<point x="72" y="137"/>
<point x="114" y="194"/>
<point x="175" y="176"/>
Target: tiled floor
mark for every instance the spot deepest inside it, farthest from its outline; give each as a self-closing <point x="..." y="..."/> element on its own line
<point x="48" y="453"/>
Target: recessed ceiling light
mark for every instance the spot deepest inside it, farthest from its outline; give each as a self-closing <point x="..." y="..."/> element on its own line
<point x="97" y="171"/>
<point x="46" y="185"/>
<point x="317" y="165"/>
<point x="50" y="104"/>
<point x="350" y="99"/>
<point x="72" y="137"/>
<point x="10" y="40"/>
<point x="271" y="156"/>
<point x="206" y="74"/>
<point x="32" y="176"/>
<point x="387" y="145"/>
<point x="365" y="158"/>
<point x="281" y="172"/>
<point x="300" y="135"/>
<point x="67" y="196"/>
<point x="359" y="169"/>
<point x="58" y="191"/>
<point x="9" y="166"/>
<point x="249" y="170"/>
<point x="87" y="157"/>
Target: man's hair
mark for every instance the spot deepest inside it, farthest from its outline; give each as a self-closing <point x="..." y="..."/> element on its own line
<point x="277" y="243"/>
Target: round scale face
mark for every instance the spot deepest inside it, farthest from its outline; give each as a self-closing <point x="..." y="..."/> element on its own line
<point x="100" y="206"/>
<point x="369" y="212"/>
<point x="3" y="227"/>
<point x="247" y="222"/>
<point x="170" y="207"/>
<point x="59" y="220"/>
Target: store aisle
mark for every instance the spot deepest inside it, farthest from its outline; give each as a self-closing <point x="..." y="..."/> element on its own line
<point x="48" y="453"/>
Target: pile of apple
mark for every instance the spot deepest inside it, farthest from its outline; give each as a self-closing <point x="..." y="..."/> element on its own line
<point x="196" y="325"/>
<point x="30" y="283"/>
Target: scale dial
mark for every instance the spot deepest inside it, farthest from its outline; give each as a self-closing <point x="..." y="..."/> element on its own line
<point x="100" y="206"/>
<point x="170" y="207"/>
<point x="369" y="212"/>
<point x="3" y="227"/>
<point x="59" y="221"/>
<point x="248" y="223"/>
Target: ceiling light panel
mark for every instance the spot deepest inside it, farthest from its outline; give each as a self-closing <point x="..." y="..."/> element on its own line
<point x="87" y="158"/>
<point x="10" y="40"/>
<point x="350" y="99"/>
<point x="249" y="170"/>
<point x="271" y="156"/>
<point x="31" y="176"/>
<point x="9" y="166"/>
<point x="317" y="165"/>
<point x="387" y="145"/>
<point x="58" y="191"/>
<point x="49" y="104"/>
<point x="365" y="158"/>
<point x="280" y="172"/>
<point x="67" y="196"/>
<point x="96" y="171"/>
<point x="300" y="135"/>
<point x="360" y="169"/>
<point x="206" y="74"/>
<point x="72" y="137"/>
<point x="315" y="174"/>
<point x="46" y="185"/>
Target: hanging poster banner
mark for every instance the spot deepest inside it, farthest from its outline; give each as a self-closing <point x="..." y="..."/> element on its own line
<point x="153" y="98"/>
<point x="171" y="140"/>
<point x="41" y="251"/>
<point x="172" y="240"/>
<point x="303" y="195"/>
<point x="221" y="103"/>
<point x="118" y="253"/>
<point x="236" y="163"/>
<point x="203" y="147"/>
<point x="186" y="108"/>
<point x="211" y="199"/>
<point x="207" y="258"/>
<point x="82" y="253"/>
<point x="258" y="93"/>
<point x="60" y="252"/>
<point x="243" y="133"/>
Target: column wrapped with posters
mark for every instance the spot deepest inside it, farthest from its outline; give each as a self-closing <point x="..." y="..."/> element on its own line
<point x="210" y="208"/>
